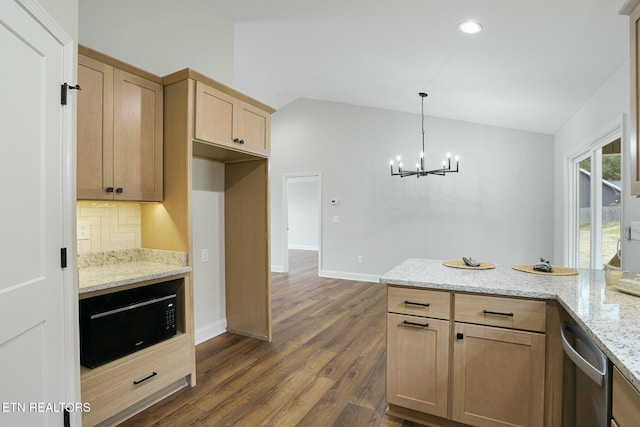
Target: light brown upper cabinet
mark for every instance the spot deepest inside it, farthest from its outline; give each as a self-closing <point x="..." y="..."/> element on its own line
<point x="226" y="121"/>
<point x="202" y="117"/>
<point x="632" y="9"/>
<point x="119" y="130"/>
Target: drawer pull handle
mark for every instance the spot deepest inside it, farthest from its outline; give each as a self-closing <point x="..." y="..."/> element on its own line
<point x="420" y="325"/>
<point x="145" y="378"/>
<point x="416" y="303"/>
<point x="497" y="313"/>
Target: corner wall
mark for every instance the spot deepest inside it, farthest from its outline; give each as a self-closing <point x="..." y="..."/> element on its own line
<point x="499" y="208"/>
<point x="160" y="36"/>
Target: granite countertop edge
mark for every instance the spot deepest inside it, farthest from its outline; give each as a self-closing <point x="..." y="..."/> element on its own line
<point x="624" y="354"/>
<point x="107" y="270"/>
<point x="134" y="278"/>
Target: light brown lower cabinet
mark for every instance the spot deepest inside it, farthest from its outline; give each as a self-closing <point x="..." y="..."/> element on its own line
<point x="498" y="376"/>
<point x="116" y="387"/>
<point x="481" y="364"/>
<point x="417" y="363"/>
<point x="625" y="402"/>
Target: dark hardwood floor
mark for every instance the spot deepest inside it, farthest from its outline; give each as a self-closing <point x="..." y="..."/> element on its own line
<point x="324" y="367"/>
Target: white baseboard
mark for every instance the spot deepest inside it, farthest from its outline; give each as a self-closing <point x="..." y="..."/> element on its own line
<point x="211" y="330"/>
<point x="277" y="269"/>
<point x="350" y="276"/>
<point x="305" y="247"/>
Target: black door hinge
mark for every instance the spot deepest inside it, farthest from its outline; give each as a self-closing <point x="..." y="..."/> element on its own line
<point x="63" y="92"/>
<point x="63" y="257"/>
<point x="66" y="420"/>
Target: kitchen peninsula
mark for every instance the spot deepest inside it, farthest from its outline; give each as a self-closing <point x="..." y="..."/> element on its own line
<point x="531" y="308"/>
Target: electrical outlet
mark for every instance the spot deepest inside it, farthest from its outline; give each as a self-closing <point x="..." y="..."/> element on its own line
<point x="205" y="255"/>
<point x="84" y="231"/>
<point x="360" y="259"/>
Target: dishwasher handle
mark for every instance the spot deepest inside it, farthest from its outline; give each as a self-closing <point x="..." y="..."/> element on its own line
<point x="591" y="371"/>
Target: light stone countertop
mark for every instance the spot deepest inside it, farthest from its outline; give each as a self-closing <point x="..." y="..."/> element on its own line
<point x="107" y="270"/>
<point x="609" y="317"/>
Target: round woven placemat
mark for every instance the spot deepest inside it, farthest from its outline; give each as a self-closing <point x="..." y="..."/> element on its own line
<point x="557" y="271"/>
<point x="458" y="263"/>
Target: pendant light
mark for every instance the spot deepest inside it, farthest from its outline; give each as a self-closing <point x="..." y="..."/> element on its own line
<point x="420" y="170"/>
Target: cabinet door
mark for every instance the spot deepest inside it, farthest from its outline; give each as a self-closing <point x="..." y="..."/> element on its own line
<point x="498" y="376"/>
<point x="625" y="401"/>
<point x="254" y="129"/>
<point x="95" y="129"/>
<point x="215" y="118"/>
<point x="634" y="135"/>
<point x="417" y="363"/>
<point x="137" y="138"/>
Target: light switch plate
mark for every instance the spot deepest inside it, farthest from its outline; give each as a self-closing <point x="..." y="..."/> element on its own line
<point x="336" y="218"/>
<point x="205" y="255"/>
<point x="635" y="231"/>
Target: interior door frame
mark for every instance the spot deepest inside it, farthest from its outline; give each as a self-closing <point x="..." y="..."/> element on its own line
<point x="613" y="130"/>
<point x="285" y="217"/>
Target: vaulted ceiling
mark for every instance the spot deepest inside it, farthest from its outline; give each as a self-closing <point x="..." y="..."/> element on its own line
<point x="532" y="67"/>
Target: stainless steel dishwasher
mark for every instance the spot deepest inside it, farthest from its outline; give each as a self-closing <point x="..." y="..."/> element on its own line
<point x="592" y="378"/>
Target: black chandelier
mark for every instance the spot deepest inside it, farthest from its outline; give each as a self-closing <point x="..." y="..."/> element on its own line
<point x="419" y="170"/>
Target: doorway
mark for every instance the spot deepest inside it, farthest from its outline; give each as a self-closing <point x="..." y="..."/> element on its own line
<point x="301" y="210"/>
<point x="596" y="182"/>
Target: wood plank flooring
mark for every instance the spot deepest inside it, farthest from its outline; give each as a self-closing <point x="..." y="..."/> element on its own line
<point x="324" y="367"/>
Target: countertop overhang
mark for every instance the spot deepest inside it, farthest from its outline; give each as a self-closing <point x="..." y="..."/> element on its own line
<point x="609" y="317"/>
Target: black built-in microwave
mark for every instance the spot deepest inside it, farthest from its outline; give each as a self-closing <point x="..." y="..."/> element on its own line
<point x="120" y="323"/>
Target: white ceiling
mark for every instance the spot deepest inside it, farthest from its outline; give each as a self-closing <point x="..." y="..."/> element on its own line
<point x="534" y="65"/>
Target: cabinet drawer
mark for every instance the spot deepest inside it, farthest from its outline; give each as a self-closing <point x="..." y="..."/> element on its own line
<point x="625" y="401"/>
<point x="497" y="311"/>
<point x="112" y="388"/>
<point x="419" y="302"/>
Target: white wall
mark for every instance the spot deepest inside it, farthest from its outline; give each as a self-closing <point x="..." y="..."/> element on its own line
<point x="208" y="233"/>
<point x="499" y="208"/>
<point x="303" y="200"/>
<point x="605" y="107"/>
<point x="65" y="13"/>
<point x="160" y="36"/>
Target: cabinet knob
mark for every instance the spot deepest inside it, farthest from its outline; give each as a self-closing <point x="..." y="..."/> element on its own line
<point x="109" y="189"/>
<point x="459" y="336"/>
<point x="119" y="190"/>
<point x="241" y="141"/>
<point x="236" y="140"/>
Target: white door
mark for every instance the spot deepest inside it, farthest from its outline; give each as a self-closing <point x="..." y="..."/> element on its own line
<point x="35" y="290"/>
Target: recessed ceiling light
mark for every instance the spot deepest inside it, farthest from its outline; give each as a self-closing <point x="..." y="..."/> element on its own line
<point x="470" y="27"/>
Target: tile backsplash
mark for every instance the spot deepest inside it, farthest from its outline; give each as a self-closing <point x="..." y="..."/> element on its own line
<point x="108" y="226"/>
